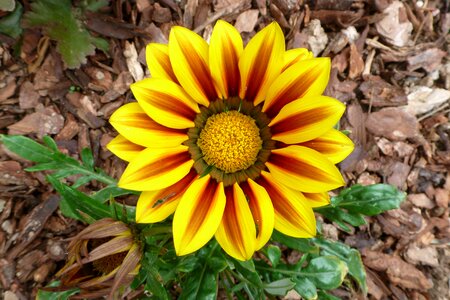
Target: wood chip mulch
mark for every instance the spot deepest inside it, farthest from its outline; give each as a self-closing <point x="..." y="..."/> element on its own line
<point x="390" y="66"/>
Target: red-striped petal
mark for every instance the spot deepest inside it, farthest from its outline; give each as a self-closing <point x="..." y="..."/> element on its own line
<point x="198" y="215"/>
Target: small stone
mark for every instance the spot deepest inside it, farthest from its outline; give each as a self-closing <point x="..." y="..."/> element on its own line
<point x="421" y="200"/>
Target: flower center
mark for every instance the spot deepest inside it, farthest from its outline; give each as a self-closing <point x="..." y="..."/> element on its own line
<point x="230" y="141"/>
<point x="107" y="264"/>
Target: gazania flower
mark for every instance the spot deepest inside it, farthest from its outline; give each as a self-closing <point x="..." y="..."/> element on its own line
<point x="101" y="258"/>
<point x="236" y="141"/>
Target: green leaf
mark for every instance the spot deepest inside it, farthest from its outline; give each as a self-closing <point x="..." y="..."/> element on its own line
<point x="111" y="191"/>
<point x="27" y="148"/>
<point x="58" y="21"/>
<point x="49" y="142"/>
<point x="187" y="264"/>
<point x="305" y="288"/>
<point x="74" y="201"/>
<point x="302" y="245"/>
<point x="10" y="24"/>
<point x="53" y="295"/>
<point x="369" y="200"/>
<point x="154" y="286"/>
<point x="202" y="282"/>
<point x="50" y="158"/>
<point x="325" y="272"/>
<point x="273" y="254"/>
<point x="200" y="286"/>
<point x="354" y="202"/>
<point x="217" y="263"/>
<point x="279" y="287"/>
<point x="350" y="256"/>
<point x="93" y="5"/>
<point x="82" y="181"/>
<point x="325" y="296"/>
<point x="87" y="158"/>
<point x="248" y="271"/>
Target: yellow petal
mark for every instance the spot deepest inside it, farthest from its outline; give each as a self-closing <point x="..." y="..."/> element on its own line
<point x="293" y="56"/>
<point x="165" y="102"/>
<point x="262" y="210"/>
<point x="304" y="78"/>
<point x="333" y="144"/>
<point x="293" y="216"/>
<point x="158" y="62"/>
<point x="305" y="119"/>
<point x="304" y="169"/>
<point x="225" y="48"/>
<point x="237" y="233"/>
<point x="135" y="125"/>
<point x="261" y="62"/>
<point x="155" y="206"/>
<point x="317" y="199"/>
<point x="189" y="58"/>
<point x="123" y="148"/>
<point x="155" y="169"/>
<point x="198" y="215"/>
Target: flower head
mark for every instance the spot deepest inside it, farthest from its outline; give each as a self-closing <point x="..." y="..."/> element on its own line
<point x="236" y="141"/>
<point x="101" y="258"/>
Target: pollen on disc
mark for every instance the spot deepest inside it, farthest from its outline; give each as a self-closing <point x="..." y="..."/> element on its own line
<point x="230" y="141"/>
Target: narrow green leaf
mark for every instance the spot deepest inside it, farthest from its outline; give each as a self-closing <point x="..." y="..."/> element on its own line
<point x="305" y="288"/>
<point x="111" y="191"/>
<point x="74" y="201"/>
<point x="325" y="296"/>
<point x="49" y="142"/>
<point x="279" y="287"/>
<point x="273" y="254"/>
<point x="302" y="245"/>
<point x="94" y="5"/>
<point x="82" y="181"/>
<point x="53" y="295"/>
<point x="62" y="173"/>
<point x="248" y="271"/>
<point x="27" y="148"/>
<point x="87" y="158"/>
<point x="44" y="166"/>
<point x="326" y="272"/>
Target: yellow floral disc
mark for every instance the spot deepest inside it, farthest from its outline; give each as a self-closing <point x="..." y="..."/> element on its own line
<point x="230" y="141"/>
